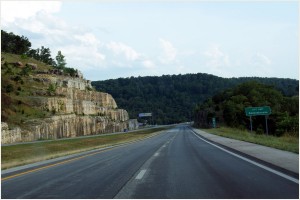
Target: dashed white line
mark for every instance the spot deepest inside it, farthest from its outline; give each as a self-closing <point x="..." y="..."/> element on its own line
<point x="156" y="154"/>
<point x="141" y="174"/>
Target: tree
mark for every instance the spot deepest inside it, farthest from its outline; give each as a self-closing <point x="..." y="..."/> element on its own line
<point x="60" y="60"/>
<point x="12" y="43"/>
<point x="42" y="54"/>
<point x="177" y="95"/>
<point x="45" y="55"/>
<point x="33" y="53"/>
<point x="229" y="107"/>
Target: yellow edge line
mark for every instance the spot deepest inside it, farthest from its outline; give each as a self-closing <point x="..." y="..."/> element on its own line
<point x="48" y="166"/>
<point x="66" y="161"/>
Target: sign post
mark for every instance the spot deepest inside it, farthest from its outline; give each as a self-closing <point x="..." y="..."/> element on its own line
<point x="251" y="123"/>
<point x="267" y="131"/>
<point x="255" y="111"/>
<point x="147" y="115"/>
<point x="214" y="122"/>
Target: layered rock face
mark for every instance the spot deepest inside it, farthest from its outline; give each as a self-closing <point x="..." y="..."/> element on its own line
<point x="78" y="112"/>
<point x="10" y="136"/>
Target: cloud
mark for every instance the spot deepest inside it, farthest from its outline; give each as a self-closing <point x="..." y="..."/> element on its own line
<point x="169" y="51"/>
<point x="87" y="39"/>
<point x="148" y="64"/>
<point x="260" y="60"/>
<point x="12" y="10"/>
<point x="83" y="57"/>
<point x="119" y="48"/>
<point x="121" y="55"/>
<point x="81" y="48"/>
<point x="216" y="58"/>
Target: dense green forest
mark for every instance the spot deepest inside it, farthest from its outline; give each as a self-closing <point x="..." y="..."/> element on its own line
<point x="228" y="107"/>
<point x="172" y="98"/>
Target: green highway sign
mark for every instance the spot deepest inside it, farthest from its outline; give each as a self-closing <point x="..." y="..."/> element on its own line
<point x="253" y="111"/>
<point x="145" y="115"/>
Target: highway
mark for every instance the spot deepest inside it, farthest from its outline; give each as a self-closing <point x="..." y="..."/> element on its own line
<point x="174" y="164"/>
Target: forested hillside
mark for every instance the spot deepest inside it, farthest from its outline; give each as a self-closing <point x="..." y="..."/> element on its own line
<point x="172" y="98"/>
<point x="228" y="107"/>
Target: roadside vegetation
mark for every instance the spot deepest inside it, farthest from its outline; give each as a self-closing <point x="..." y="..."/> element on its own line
<point x="17" y="88"/>
<point x="21" y="154"/>
<point x="285" y="142"/>
<point x="228" y="108"/>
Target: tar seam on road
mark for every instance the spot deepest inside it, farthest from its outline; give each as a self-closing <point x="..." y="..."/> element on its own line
<point x="73" y="159"/>
<point x="250" y="161"/>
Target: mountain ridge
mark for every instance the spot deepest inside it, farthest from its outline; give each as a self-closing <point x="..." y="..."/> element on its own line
<point x="172" y="98"/>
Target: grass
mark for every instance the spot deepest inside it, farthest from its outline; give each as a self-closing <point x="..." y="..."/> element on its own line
<point x="17" y="90"/>
<point x="16" y="155"/>
<point x="12" y="58"/>
<point x="285" y="142"/>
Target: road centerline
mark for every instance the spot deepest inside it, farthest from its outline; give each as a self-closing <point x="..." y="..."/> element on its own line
<point x="141" y="174"/>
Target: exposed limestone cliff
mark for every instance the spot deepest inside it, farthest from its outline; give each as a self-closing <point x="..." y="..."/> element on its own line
<point x="77" y="111"/>
<point x="10" y="136"/>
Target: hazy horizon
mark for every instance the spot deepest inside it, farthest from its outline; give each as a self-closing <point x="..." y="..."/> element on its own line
<point x="194" y="73"/>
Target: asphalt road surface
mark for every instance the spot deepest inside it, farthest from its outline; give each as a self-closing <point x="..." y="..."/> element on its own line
<point x="173" y="164"/>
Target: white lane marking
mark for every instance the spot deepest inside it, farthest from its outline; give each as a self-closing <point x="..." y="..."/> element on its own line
<point x="252" y="162"/>
<point x="156" y="154"/>
<point x="141" y="174"/>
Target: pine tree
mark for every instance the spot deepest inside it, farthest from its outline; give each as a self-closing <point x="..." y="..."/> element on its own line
<point x="60" y="60"/>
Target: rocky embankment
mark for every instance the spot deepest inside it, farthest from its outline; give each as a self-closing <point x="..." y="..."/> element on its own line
<point x="77" y="111"/>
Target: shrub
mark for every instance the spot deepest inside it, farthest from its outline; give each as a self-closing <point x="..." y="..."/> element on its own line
<point x="25" y="71"/>
<point x="24" y="56"/>
<point x="53" y="111"/>
<point x="17" y="78"/>
<point x="260" y="130"/>
<point x="9" y="88"/>
<point x="51" y="89"/>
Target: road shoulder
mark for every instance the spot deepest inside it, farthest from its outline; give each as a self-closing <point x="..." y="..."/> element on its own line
<point x="286" y="160"/>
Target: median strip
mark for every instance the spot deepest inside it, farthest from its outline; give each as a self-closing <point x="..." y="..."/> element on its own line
<point x="78" y="158"/>
<point x="22" y="154"/>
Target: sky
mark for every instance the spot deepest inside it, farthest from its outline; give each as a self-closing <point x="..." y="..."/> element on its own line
<point x="112" y="39"/>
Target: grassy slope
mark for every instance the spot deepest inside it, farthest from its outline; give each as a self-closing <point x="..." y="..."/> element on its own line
<point x="22" y="154"/>
<point x="286" y="142"/>
<point x="16" y="104"/>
